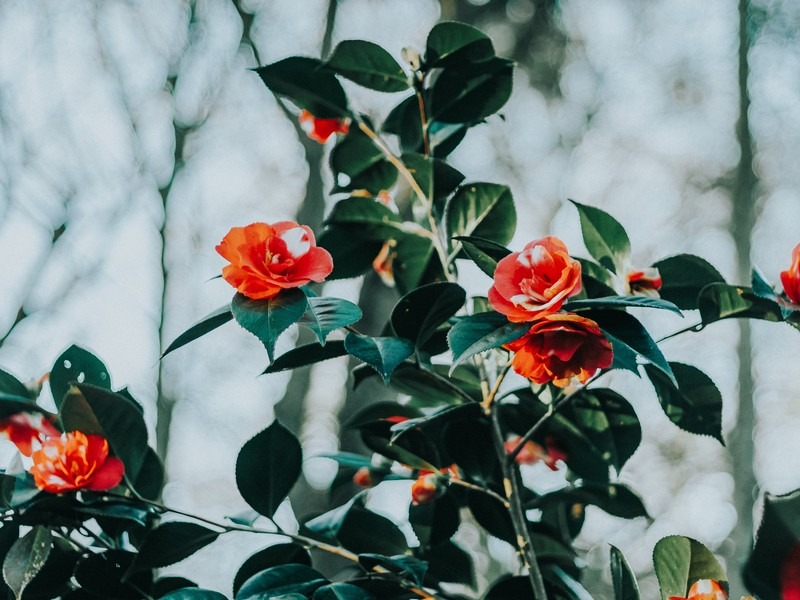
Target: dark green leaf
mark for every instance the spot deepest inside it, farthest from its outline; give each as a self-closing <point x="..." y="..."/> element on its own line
<point x="306" y="83"/>
<point x="625" y="586"/>
<point x="372" y="218"/>
<point x="193" y="593"/>
<point x="54" y="578"/>
<point x="342" y="591"/>
<point x="435" y="177"/>
<point x="164" y="585"/>
<point x="282" y="579"/>
<point x="469" y="442"/>
<point x="484" y="253"/>
<point x="450" y="562"/>
<point x="683" y="276"/>
<point x="172" y="542"/>
<point x="11" y="386"/>
<point x="433" y="388"/>
<point x="471" y="92"/>
<point x="26" y="558"/>
<point x="307" y="355"/>
<point x="439" y="421"/>
<point x="681" y="561"/>
<point x="604" y="237"/>
<point x="352" y="249"/>
<point x="492" y="515"/>
<point x="106" y="575"/>
<point x="614" y="498"/>
<point x="597" y="281"/>
<point x="417" y="314"/>
<point x="509" y="587"/>
<point x="208" y="323"/>
<point x="279" y="554"/>
<point x="150" y="479"/>
<point x="434" y="523"/>
<point x="365" y="531"/>
<point x="357" y="157"/>
<point x="450" y="42"/>
<point x="323" y="315"/>
<point x="694" y="404"/>
<point x="10" y="405"/>
<point x="622" y="301"/>
<point x="382" y="353"/>
<point x="77" y="365"/>
<point x="267" y="468"/>
<point x="327" y="525"/>
<point x="415" y="262"/>
<point x="407" y="567"/>
<point x="484" y="210"/>
<point x="719" y="301"/>
<point x="267" y="319"/>
<point x="481" y="332"/>
<point x="369" y="65"/>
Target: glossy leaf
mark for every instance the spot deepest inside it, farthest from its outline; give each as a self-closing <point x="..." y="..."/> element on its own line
<point x="614" y="498"/>
<point x="469" y="442"/>
<point x="719" y="301"/>
<point x="282" y="579"/>
<point x="172" y="542"/>
<point x="683" y="276"/>
<point x="26" y="558"/>
<point x="430" y="386"/>
<point x="435" y="177"/>
<point x="279" y="554"/>
<point x="481" y="332"/>
<point x="352" y="249"/>
<point x="306" y="83"/>
<point x="150" y="479"/>
<point x="415" y="262"/>
<point x="267" y="468"/>
<point x="11" y="386"/>
<point x="604" y="237"/>
<point x="484" y="210"/>
<point x="77" y="365"/>
<point x="368" y="65"/>
<point x="470" y="93"/>
<point x="450" y="42"/>
<point x="166" y="585"/>
<point x="506" y="587"/>
<point x="484" y="253"/>
<point x="342" y="591"/>
<point x="305" y="355"/>
<point x="323" y="315"/>
<point x="417" y="315"/>
<point x="208" y="323"/>
<point x="406" y="567"/>
<point x="625" y="585"/>
<point x="694" y="404"/>
<point x="381" y="353"/>
<point x="622" y="302"/>
<point x="267" y="319"/>
<point x="108" y="575"/>
<point x="492" y="515"/>
<point x="367" y="531"/>
<point x="450" y="562"/>
<point x="681" y="561"/>
<point x="365" y="166"/>
<point x="435" y="522"/>
<point x="193" y="593"/>
<point x="373" y="218"/>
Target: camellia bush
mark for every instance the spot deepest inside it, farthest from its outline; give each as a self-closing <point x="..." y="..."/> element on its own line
<point x="82" y="512"/>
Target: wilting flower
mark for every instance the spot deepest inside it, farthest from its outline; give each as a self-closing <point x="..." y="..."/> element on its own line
<point x="536" y="281"/>
<point x="76" y="461"/>
<point x="790" y="278"/>
<point x="644" y="282"/>
<point x="363" y="478"/>
<point x="268" y="258"/>
<point x="384" y="262"/>
<point x="320" y="130"/>
<point x="559" y="347"/>
<point x="705" y="589"/>
<point x="531" y="452"/>
<point x="24" y="428"/>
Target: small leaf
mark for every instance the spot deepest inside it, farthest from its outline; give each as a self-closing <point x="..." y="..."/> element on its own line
<point x="267" y="468"/>
<point x="306" y="83"/>
<point x="719" y="301"/>
<point x="382" y="353"/>
<point x="323" y="315"/>
<point x="267" y="319"/>
<point x="282" y="579"/>
<point x="604" y="237"/>
<point x="279" y="554"/>
<point x="484" y="253"/>
<point x="172" y="542"/>
<point x="307" y="354"/>
<point x="484" y="210"/>
<point x="77" y="365"/>
<point x="365" y="166"/>
<point x="625" y="585"/>
<point x="415" y="263"/>
<point x="208" y="323"/>
<point x="471" y="92"/>
<point x="623" y="301"/>
<point x="26" y="558"/>
<point x="681" y="561"/>
<point x="481" y="332"/>
<point x="365" y="531"/>
<point x="434" y="523"/>
<point x="368" y="65"/>
<point x="450" y="42"/>
<point x="694" y="404"/>
<point x="342" y="591"/>
<point x="417" y="314"/>
<point x="683" y="276"/>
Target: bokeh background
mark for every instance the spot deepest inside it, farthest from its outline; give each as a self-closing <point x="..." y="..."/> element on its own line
<point x="133" y="136"/>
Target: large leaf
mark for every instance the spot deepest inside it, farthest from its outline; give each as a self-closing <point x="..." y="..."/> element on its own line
<point x="11" y="386"/>
<point x="365" y="166"/>
<point x="342" y="591"/>
<point x="415" y="263"/>
<point x="323" y="315"/>
<point x="352" y="249"/>
<point x="435" y="522"/>
<point x="625" y="585"/>
<point x="267" y="468"/>
<point x="614" y="498"/>
<point x="406" y="567"/>
<point x="683" y="276"/>
<point x="418" y="314"/>
<point x="471" y="92"/>
<point x="208" y="323"/>
<point x="267" y="319"/>
<point x="306" y="83"/>
<point x="469" y="442"/>
<point x="193" y="594"/>
<point x="450" y="42"/>
<point x="383" y="354"/>
<point x="282" y="579"/>
<point x="719" y="301"/>
<point x="369" y="65"/>
<point x="484" y="210"/>
<point x="430" y="387"/>
<point x="172" y="542"/>
<point x="694" y="404"/>
<point x="450" y="562"/>
<point x="436" y="178"/>
<point x="484" y="253"/>
<point x="481" y="332"/>
<point x="279" y="554"/>
<point x="604" y="237"/>
<point x="26" y="559"/>
<point x="372" y="218"/>
<point x="622" y="302"/>
<point x="307" y="354"/>
<point x="77" y="365"/>
<point x="681" y="561"/>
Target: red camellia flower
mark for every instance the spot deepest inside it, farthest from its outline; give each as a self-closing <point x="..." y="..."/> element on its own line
<point x="644" y="282"/>
<point x="559" y="347"/>
<point x="531" y="452"/>
<point x="426" y="488"/>
<point x="76" y="461"/>
<point x="384" y="263"/>
<point x="536" y="281"/>
<point x="791" y="277"/>
<point x="268" y="258"/>
<point x="320" y="130"/>
<point x="705" y="589"/>
<point x="363" y="478"/>
<point x="26" y="428"/>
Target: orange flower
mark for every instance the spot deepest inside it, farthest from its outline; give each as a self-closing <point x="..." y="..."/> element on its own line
<point x="790" y="278"/>
<point x="559" y="347"/>
<point x="531" y="452"/>
<point x="705" y="589"/>
<point x="25" y="428"/>
<point x="384" y="263"/>
<point x="268" y="258"/>
<point x="363" y="478"/>
<point x="320" y="130"/>
<point x="76" y="461"/>
<point x="644" y="282"/>
<point x="536" y="281"/>
<point x="426" y="488"/>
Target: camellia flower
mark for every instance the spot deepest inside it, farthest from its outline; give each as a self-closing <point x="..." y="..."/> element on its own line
<point x="426" y="488"/>
<point x="531" y="452"/>
<point x="363" y="478"/>
<point x="559" y="347"/>
<point x="24" y="428"/>
<point x="266" y="259"/>
<point x="384" y="263"/>
<point x="320" y="130"/>
<point x="790" y="278"/>
<point x="536" y="281"/>
<point x="705" y="589"/>
<point x="76" y="461"/>
<point x="644" y="282"/>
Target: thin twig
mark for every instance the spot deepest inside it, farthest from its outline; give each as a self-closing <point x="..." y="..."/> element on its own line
<point x="477" y="488"/>
<point x="489" y="399"/>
